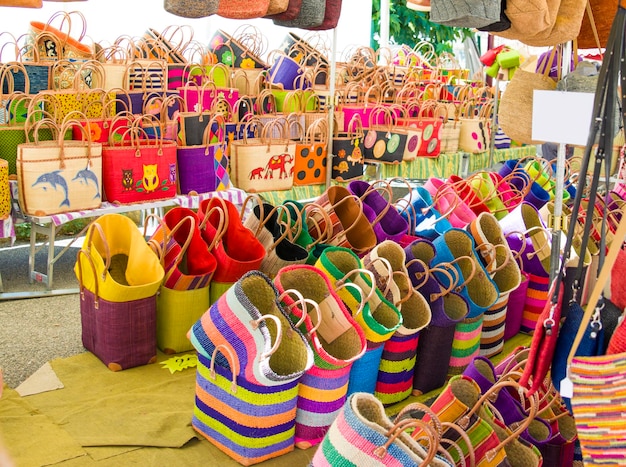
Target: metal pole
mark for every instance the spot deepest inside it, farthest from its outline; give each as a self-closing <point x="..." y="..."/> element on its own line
<point x="560" y="175"/>
<point x="494" y="120"/>
<point x="331" y="110"/>
<point x="385" y="7"/>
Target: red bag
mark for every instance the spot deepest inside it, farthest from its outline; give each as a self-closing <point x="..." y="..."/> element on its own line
<point x="138" y="169"/>
<point x="543" y="343"/>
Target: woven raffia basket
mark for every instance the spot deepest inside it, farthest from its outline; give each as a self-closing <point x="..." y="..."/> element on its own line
<point x="516" y="108"/>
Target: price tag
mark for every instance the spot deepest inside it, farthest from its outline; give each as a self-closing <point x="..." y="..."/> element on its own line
<point x="180" y="363"/>
<point x="334" y="322"/>
<point x="567" y="388"/>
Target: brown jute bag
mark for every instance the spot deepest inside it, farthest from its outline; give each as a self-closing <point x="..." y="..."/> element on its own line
<point x="516" y="107"/>
<point x="564" y="22"/>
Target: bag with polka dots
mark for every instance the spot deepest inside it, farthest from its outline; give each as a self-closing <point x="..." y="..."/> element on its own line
<point x="311" y="155"/>
<point x="475" y="134"/>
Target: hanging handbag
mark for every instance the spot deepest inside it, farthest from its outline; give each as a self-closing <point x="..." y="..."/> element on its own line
<point x="596" y="25"/>
<point x="564" y="19"/>
<point x="241" y="9"/>
<point x="472" y="14"/>
<point x="311" y="14"/>
<point x="191" y="8"/>
<point x="516" y="107"/>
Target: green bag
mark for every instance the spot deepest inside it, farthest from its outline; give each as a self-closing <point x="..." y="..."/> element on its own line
<point x="13" y="131"/>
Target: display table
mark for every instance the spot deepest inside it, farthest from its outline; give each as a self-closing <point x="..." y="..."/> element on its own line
<point x="47" y="226"/>
<point x="422" y="168"/>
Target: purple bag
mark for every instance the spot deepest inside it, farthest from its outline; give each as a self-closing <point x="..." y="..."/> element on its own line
<point x="544" y="61"/>
<point x="198" y="165"/>
<point x="121" y="334"/>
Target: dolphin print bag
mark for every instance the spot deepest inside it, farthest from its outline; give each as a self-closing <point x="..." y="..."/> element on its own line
<point x="59" y="175"/>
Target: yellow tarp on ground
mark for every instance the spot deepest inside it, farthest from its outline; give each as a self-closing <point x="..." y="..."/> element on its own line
<point x="140" y="416"/>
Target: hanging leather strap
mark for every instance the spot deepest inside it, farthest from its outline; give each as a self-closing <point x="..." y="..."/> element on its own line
<point x="602" y="122"/>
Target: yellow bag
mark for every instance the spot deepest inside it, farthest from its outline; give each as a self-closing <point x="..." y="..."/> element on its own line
<point x="127" y="268"/>
<point x="5" y="194"/>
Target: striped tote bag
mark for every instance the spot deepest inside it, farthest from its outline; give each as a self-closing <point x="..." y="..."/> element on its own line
<point x="337" y="342"/>
<point x="250" y="362"/>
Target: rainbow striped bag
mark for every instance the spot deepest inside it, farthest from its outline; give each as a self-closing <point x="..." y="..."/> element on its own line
<point x="337" y="342"/>
<point x="250" y="361"/>
<point x="599" y="382"/>
<point x="362" y="434"/>
<point x="394" y="382"/>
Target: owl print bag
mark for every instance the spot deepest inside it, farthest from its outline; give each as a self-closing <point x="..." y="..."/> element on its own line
<point x="137" y="168"/>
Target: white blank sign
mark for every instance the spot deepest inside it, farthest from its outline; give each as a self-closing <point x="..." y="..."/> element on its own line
<point x="562" y="117"/>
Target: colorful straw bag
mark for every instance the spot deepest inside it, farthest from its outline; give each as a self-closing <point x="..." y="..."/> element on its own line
<point x="347" y="160"/>
<point x="250" y="361"/>
<point x="500" y="264"/>
<point x="264" y="163"/>
<point x="377" y="316"/>
<point x="350" y="227"/>
<point x="275" y="237"/>
<point x="200" y="168"/>
<point x="311" y="161"/>
<point x="363" y="434"/>
<point x="219" y="219"/>
<point x="394" y="382"/>
<point x="492" y="442"/>
<point x="189" y="267"/>
<point x="448" y="308"/>
<point x="337" y="342"/>
<point x="138" y="169"/>
<point x="119" y="278"/>
<point x="535" y="242"/>
<point x="387" y="221"/>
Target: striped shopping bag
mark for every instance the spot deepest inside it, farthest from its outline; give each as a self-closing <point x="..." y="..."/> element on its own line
<point x="250" y="362"/>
